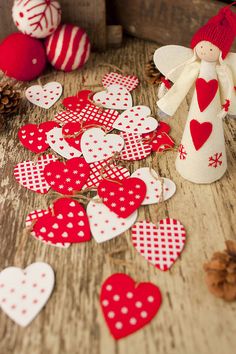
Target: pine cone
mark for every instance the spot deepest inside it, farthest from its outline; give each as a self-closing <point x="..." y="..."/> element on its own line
<point x="9" y="99"/>
<point x="152" y="73"/>
<point x="221" y="272"/>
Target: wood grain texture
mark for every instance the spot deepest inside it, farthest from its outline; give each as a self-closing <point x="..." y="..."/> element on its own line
<point x="191" y="320"/>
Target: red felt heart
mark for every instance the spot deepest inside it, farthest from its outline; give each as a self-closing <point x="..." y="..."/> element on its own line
<point x="159" y="139"/>
<point x="78" y="102"/>
<point x="128" y="306"/>
<point x="66" y="223"/>
<point x="67" y="177"/>
<point x="200" y="132"/>
<point x="33" y="136"/>
<point x="206" y="91"/>
<point x="122" y="198"/>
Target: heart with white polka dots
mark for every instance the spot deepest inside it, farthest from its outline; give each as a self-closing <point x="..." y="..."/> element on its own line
<point x="56" y="141"/>
<point x="96" y="145"/>
<point x="116" y="97"/>
<point x="44" y="96"/>
<point x="104" y="224"/>
<point x="78" y="102"/>
<point x="158" y="188"/>
<point x="136" y="120"/>
<point x="24" y="292"/>
<point x="128" y="306"/>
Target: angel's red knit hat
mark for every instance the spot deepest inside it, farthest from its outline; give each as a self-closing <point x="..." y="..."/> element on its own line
<point x="220" y="30"/>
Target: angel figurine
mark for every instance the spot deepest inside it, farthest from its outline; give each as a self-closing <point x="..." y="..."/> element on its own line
<point x="210" y="67"/>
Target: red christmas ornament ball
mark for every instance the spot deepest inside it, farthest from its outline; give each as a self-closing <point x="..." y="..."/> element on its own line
<point x="68" y="48"/>
<point x="22" y="57"/>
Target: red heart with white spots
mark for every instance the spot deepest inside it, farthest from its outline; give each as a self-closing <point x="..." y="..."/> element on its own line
<point x="159" y="139"/>
<point x="33" y="136"/>
<point x="44" y="96"/>
<point x="135" y="147"/>
<point x="64" y="117"/>
<point x="124" y="197"/>
<point x="105" y="118"/>
<point x="161" y="245"/>
<point x="116" y="97"/>
<point x="128" y="306"/>
<point x="30" y="173"/>
<point x="57" y="143"/>
<point x="78" y="102"/>
<point x="67" y="223"/>
<point x="68" y="177"/>
<point x="128" y="81"/>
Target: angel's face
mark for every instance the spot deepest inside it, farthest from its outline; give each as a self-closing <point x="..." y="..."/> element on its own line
<point x="207" y="51"/>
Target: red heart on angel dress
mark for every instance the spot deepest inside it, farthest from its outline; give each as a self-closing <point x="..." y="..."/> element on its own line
<point x="78" y="102"/>
<point x="128" y="306"/>
<point x="67" y="223"/>
<point x="128" y="81"/>
<point x="33" y="136"/>
<point x="67" y="177"/>
<point x="206" y="91"/>
<point x="124" y="197"/>
<point x="200" y="132"/>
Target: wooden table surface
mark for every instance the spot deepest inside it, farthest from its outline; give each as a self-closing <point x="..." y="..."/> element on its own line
<point x="191" y="320"/>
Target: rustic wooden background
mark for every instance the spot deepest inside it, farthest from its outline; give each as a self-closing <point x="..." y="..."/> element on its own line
<point x="191" y="320"/>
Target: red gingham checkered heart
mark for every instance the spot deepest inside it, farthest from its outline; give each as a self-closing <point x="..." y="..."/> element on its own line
<point x="109" y="171"/>
<point x="128" y="81"/>
<point x="78" y="102"/>
<point x="128" y="306"/>
<point x="97" y="116"/>
<point x="64" y="117"/>
<point x="30" y="174"/>
<point x="135" y="148"/>
<point x="160" y="246"/>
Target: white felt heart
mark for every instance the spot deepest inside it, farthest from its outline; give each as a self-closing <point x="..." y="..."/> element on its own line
<point x="97" y="146"/>
<point x="136" y="120"/>
<point x="104" y="224"/>
<point x="23" y="293"/>
<point x="44" y="96"/>
<point x="157" y="187"/>
<point x="116" y="97"/>
<point x="57" y="142"/>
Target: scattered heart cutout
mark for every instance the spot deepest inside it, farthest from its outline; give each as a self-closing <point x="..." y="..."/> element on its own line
<point x="68" y="177"/>
<point x="97" y="146"/>
<point x="64" y="117"/>
<point x="78" y="102"/>
<point x="128" y="306"/>
<point x="159" y="139"/>
<point x="116" y="97"/>
<point x="72" y="133"/>
<point x="200" y="132"/>
<point x="67" y="224"/>
<point x="30" y="173"/>
<point x="135" y="147"/>
<point x="105" y="118"/>
<point x="57" y="142"/>
<point x="33" y="136"/>
<point x="44" y="96"/>
<point x="24" y="292"/>
<point x="130" y="82"/>
<point x="162" y="245"/>
<point x="136" y="120"/>
<point x="206" y="91"/>
<point x="158" y="188"/>
<point x="124" y="197"/>
<point x="106" y="225"/>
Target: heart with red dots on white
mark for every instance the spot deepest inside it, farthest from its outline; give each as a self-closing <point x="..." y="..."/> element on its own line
<point x="44" y="96"/>
<point x="116" y="97"/>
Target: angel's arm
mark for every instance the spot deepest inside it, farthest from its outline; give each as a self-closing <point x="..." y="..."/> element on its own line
<point x="227" y="90"/>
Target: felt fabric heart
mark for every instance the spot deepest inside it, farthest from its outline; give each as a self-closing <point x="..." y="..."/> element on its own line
<point x="206" y="91"/>
<point x="116" y="97"/>
<point x="159" y="139"/>
<point x="78" y="102"/>
<point x="64" y="117"/>
<point x="104" y="224"/>
<point x="158" y="188"/>
<point x="68" y="177"/>
<point x="161" y="245"/>
<point x="124" y="197"/>
<point x="57" y="142"/>
<point x="97" y="116"/>
<point x="72" y="133"/>
<point x="97" y="146"/>
<point x="67" y="223"/>
<point x="130" y="82"/>
<point x="128" y="306"/>
<point x="136" y="119"/>
<point x="30" y="173"/>
<point x="200" y="132"/>
<point x="24" y="292"/>
<point x="44" y="96"/>
<point x="33" y="136"/>
<point x="135" y="147"/>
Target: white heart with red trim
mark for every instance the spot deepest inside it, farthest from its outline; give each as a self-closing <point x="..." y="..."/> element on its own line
<point x="128" y="81"/>
<point x="116" y="97"/>
<point x="136" y="120"/>
<point x="104" y="224"/>
<point x="24" y="292"/>
<point x="96" y="145"/>
<point x="155" y="184"/>
<point x="44" y="96"/>
<point x="57" y="142"/>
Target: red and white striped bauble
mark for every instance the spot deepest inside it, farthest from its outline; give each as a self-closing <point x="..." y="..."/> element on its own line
<point x="68" y="48"/>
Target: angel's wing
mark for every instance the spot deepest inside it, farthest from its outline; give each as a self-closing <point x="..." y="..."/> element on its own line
<point x="230" y="60"/>
<point x="169" y="57"/>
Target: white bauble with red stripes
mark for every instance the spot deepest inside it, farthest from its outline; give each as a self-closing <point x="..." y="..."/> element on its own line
<point x="37" y="18"/>
<point x="68" y="48"/>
